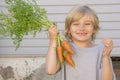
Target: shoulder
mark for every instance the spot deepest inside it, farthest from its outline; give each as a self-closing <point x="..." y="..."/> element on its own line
<point x="72" y="44"/>
<point x="101" y="48"/>
<point x="101" y="45"/>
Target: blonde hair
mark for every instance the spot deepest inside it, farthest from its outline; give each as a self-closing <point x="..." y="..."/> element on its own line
<point x="77" y="13"/>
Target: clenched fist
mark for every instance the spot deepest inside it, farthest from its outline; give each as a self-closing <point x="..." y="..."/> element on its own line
<point x="53" y="32"/>
<point x="108" y="43"/>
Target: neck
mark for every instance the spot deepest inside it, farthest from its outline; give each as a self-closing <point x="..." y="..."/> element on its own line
<point x="83" y="44"/>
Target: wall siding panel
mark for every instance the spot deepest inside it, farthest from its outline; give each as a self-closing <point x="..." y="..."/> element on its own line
<point x="108" y="12"/>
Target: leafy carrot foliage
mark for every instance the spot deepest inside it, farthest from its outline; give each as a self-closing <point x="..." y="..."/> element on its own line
<point x="24" y="17"/>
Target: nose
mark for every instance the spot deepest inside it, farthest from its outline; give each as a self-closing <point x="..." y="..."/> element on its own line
<point x="81" y="27"/>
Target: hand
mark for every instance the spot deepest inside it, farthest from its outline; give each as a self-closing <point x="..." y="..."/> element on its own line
<point x="53" y="32"/>
<point x="108" y="43"/>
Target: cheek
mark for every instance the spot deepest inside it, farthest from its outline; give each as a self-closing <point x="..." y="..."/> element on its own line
<point x="91" y="29"/>
<point x="71" y="29"/>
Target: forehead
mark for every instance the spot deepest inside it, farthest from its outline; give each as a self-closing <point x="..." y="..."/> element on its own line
<point x="83" y="18"/>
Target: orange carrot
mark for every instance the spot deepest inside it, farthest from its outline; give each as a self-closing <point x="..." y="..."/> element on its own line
<point x="67" y="46"/>
<point x="69" y="59"/>
<point x="60" y="54"/>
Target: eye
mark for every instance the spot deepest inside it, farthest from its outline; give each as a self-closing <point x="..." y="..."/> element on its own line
<point x="88" y="23"/>
<point x="75" y="23"/>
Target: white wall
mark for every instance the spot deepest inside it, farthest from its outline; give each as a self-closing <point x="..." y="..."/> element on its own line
<point x="107" y="10"/>
<point x="24" y="61"/>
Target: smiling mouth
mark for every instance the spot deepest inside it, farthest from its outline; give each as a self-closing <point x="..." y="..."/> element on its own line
<point x="82" y="34"/>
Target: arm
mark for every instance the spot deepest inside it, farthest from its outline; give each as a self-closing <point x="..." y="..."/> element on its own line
<point x="107" y="73"/>
<point x="51" y="59"/>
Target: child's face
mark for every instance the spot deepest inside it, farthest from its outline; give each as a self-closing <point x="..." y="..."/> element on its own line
<point x="82" y="30"/>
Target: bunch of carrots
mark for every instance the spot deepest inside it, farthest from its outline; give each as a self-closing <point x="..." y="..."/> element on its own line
<point x="25" y="18"/>
<point x="64" y="51"/>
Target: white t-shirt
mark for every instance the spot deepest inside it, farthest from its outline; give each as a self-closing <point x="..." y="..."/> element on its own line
<point x="88" y="63"/>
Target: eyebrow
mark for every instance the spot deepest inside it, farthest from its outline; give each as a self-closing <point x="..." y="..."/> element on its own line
<point x="88" y="21"/>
